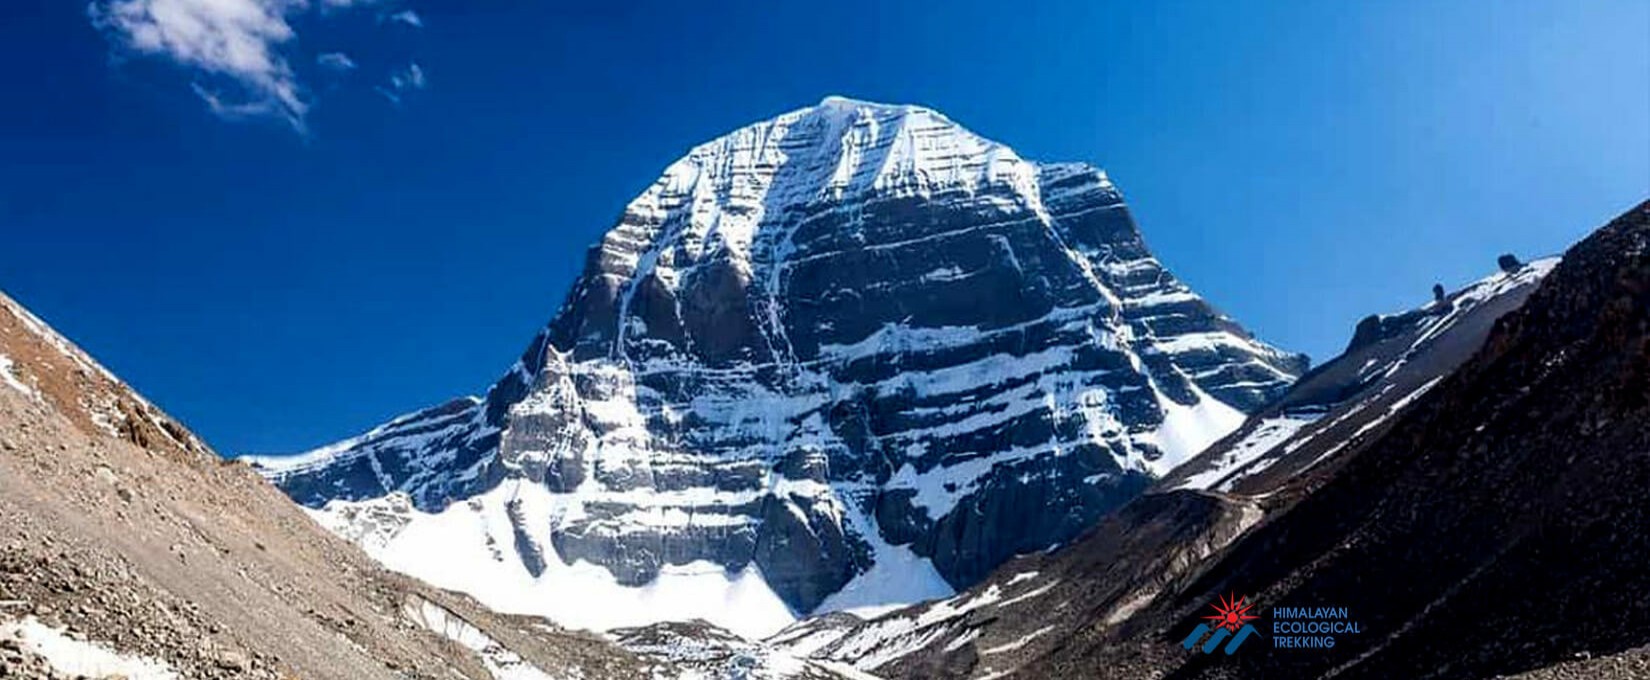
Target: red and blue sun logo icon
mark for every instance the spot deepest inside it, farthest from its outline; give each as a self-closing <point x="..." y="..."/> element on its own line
<point x="1230" y="620"/>
<point x="1231" y="614"/>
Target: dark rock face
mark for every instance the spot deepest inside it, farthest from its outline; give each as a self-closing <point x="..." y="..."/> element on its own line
<point x="850" y="327"/>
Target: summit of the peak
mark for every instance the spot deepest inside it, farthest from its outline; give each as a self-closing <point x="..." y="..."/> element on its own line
<point x="836" y="101"/>
<point x="839" y="147"/>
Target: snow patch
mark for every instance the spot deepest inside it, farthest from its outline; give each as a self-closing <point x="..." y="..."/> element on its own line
<point x="883" y="640"/>
<point x="1187" y="430"/>
<point x="1016" y="644"/>
<point x="897" y="578"/>
<point x="1039" y="591"/>
<point x="458" y="549"/>
<point x="502" y="663"/>
<point x="80" y="657"/>
<point x="9" y="376"/>
<point x="1023" y="576"/>
<point x="1266" y="436"/>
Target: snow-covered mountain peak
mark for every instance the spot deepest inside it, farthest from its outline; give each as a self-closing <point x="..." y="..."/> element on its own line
<point x="846" y="102"/>
<point x="834" y="150"/>
<point x="847" y="357"/>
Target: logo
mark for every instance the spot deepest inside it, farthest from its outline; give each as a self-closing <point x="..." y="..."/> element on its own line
<point x="1312" y="627"/>
<point x="1230" y="620"/>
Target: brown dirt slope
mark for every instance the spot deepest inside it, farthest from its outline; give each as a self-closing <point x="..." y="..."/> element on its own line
<point x="119" y="524"/>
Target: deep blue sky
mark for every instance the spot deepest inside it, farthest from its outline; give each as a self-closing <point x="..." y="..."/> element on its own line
<point x="1302" y="164"/>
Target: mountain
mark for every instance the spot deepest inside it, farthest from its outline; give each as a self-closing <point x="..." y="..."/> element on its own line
<point x="1391" y="361"/>
<point x="128" y="548"/>
<point x="1035" y="604"/>
<point x="843" y="359"/>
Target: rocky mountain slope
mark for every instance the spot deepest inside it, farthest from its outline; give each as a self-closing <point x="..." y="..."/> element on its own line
<point x="1485" y="529"/>
<point x="1037" y="603"/>
<point x="845" y="358"/>
<point x="1492" y="529"/>
<point x="129" y="549"/>
<point x="1391" y="361"/>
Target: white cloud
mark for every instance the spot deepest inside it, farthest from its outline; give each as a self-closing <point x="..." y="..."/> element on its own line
<point x="235" y="39"/>
<point x="410" y="77"/>
<point x="337" y="62"/>
<point x="237" y="46"/>
<point x="407" y="17"/>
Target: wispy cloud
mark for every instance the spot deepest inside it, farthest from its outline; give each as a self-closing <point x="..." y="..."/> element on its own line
<point x="237" y="48"/>
<point x="408" y="78"/>
<point x="235" y="39"/>
<point x="407" y="17"/>
<point x="337" y="62"/>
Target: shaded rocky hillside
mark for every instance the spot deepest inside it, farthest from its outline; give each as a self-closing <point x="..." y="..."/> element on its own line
<point x="1492" y="529"/>
<point x="1035" y="604"/>
<point x="843" y="359"/>
<point x="128" y="548"/>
